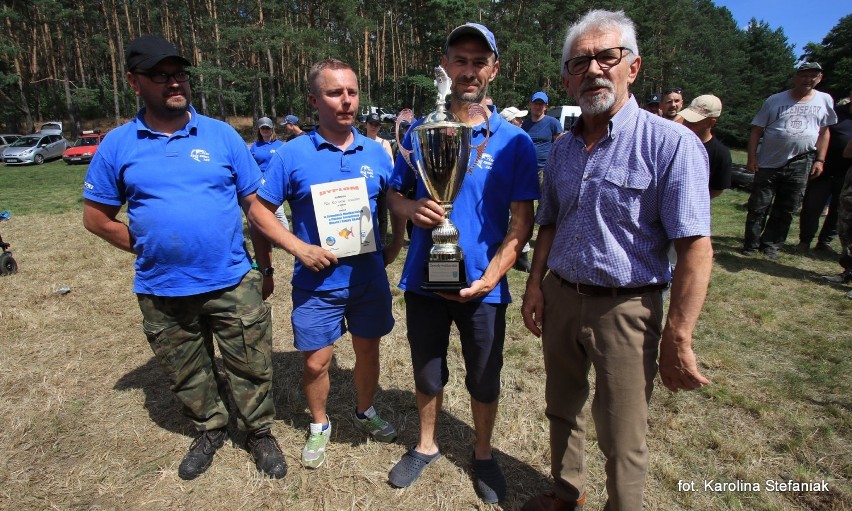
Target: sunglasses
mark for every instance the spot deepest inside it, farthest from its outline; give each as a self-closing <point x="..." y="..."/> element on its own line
<point x="161" y="77"/>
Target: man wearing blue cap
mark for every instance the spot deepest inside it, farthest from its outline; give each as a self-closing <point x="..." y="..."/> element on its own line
<point x="291" y="126"/>
<point x="543" y="129"/>
<point x="504" y="179"/>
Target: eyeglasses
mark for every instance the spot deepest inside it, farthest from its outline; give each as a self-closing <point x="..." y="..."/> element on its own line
<point x="678" y="90"/>
<point x="161" y="77"/>
<point x="605" y="59"/>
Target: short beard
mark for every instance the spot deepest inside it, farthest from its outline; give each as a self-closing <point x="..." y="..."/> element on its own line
<point x="470" y="97"/>
<point x="600" y="103"/>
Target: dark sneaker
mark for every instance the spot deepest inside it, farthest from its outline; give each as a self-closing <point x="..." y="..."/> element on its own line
<point x="267" y="454"/>
<point x="771" y="253"/>
<point x="489" y="482"/>
<point x="201" y="452"/>
<point x="823" y="247"/>
<point x="803" y="247"/>
<point x="748" y="251"/>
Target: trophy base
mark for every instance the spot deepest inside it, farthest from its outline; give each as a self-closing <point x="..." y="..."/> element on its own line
<point x="444" y="276"/>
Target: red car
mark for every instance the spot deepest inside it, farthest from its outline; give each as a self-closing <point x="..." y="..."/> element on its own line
<point x="84" y="148"/>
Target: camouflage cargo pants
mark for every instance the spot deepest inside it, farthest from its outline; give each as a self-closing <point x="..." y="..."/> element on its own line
<point x="181" y="330"/>
<point x="844" y="222"/>
<point x="776" y="195"/>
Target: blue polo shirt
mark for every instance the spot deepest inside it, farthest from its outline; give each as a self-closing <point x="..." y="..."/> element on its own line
<point x="182" y="194"/>
<point x="542" y="132"/>
<point x="262" y="152"/>
<point x="310" y="160"/>
<point x="506" y="173"/>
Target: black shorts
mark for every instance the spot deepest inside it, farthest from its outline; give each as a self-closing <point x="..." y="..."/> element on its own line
<point x="482" y="329"/>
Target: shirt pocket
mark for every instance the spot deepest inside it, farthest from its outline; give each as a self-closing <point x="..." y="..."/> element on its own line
<point x="621" y="192"/>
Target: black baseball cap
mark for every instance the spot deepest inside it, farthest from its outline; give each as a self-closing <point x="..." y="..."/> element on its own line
<point x="147" y="51"/>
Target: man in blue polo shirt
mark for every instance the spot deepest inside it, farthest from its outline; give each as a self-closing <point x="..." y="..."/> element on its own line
<point x="332" y="295"/>
<point x="184" y="178"/>
<point x="504" y="179"/>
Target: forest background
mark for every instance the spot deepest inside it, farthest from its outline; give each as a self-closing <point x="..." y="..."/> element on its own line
<point x="64" y="60"/>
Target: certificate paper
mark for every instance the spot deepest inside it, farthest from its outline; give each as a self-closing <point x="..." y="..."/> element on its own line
<point x="344" y="218"/>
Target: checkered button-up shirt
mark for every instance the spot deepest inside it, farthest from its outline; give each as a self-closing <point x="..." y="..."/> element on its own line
<point x="617" y="208"/>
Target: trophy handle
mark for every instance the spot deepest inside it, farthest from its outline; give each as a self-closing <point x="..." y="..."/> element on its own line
<point x="405" y="115"/>
<point x="477" y="110"/>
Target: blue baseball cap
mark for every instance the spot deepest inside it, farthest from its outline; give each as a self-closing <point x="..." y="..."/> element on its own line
<point x="474" y="29"/>
<point x="540" y="95"/>
<point x="290" y="119"/>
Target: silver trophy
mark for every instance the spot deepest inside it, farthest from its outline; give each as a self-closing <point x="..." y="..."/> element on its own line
<point x="439" y="155"/>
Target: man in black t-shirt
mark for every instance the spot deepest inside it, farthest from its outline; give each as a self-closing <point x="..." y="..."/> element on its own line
<point x="700" y="116"/>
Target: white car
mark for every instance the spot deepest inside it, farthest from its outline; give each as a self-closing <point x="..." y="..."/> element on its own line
<point x="34" y="149"/>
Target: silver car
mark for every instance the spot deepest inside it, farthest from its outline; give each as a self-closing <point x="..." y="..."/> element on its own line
<point x="34" y="149"/>
<point x="6" y="140"/>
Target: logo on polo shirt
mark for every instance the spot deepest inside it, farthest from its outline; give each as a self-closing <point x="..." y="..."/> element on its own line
<point x="199" y="155"/>
<point x="366" y="171"/>
<point x="486" y="161"/>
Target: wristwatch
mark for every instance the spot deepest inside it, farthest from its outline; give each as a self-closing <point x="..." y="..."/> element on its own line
<point x="266" y="272"/>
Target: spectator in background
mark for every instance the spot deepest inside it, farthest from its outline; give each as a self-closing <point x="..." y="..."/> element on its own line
<point x="513" y="115"/>
<point x="372" y="126"/>
<point x="700" y="117"/>
<point x="794" y="127"/>
<point x="542" y="129"/>
<point x="844" y="228"/>
<point x="291" y="126"/>
<point x="826" y="187"/>
<point x="262" y="149"/>
<point x="653" y="104"/>
<point x="671" y="103"/>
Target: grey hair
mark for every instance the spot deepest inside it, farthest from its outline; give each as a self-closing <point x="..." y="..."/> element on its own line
<point x="600" y="19"/>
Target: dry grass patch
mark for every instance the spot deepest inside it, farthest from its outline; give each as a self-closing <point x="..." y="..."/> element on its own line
<point x="89" y="421"/>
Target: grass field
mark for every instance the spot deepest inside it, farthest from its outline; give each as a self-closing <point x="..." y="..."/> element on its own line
<point x="88" y="421"/>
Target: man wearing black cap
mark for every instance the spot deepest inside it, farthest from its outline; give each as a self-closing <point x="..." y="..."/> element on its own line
<point x="503" y="179"/>
<point x="653" y="104"/>
<point x="793" y="126"/>
<point x="184" y="178"/>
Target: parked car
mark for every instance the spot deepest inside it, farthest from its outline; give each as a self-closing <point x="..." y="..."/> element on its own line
<point x="84" y="148"/>
<point x="384" y="114"/>
<point x="34" y="149"/>
<point x="51" y="128"/>
<point x="567" y="115"/>
<point x="6" y="140"/>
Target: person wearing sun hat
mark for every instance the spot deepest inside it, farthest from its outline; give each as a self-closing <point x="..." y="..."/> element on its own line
<point x="701" y="116"/>
<point x="513" y="115"/>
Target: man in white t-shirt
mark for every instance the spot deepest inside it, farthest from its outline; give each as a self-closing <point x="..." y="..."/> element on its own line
<point x="794" y="127"/>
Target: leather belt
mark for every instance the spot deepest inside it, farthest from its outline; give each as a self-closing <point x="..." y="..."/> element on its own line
<point x="590" y="290"/>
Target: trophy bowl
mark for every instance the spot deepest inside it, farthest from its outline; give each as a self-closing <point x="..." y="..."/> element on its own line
<point x="440" y="155"/>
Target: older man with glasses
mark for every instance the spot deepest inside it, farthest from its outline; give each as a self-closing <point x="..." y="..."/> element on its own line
<point x="594" y="294"/>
